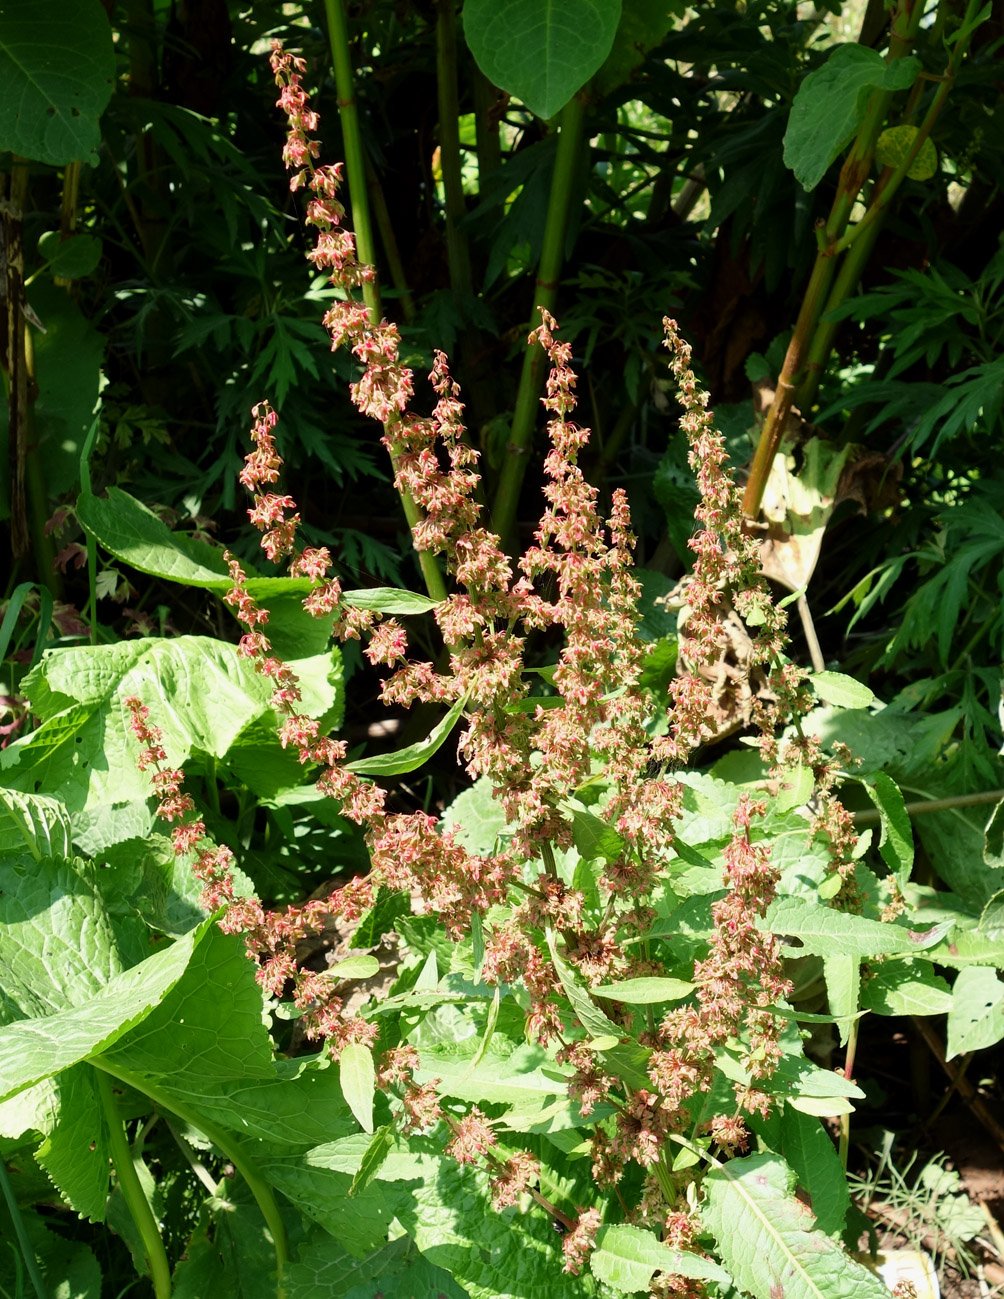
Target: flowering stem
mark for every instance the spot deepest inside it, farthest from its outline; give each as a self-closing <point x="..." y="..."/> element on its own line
<point x="132" y="1191"/>
<point x="355" y="161"/>
<point x="230" y="1149"/>
<point x="552" y="257"/>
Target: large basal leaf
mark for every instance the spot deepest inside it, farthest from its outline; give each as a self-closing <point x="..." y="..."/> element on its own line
<point x="626" y="1258"/>
<point x="33" y="824"/>
<point x="76" y="1150"/>
<point x="57" y="66"/>
<point x="395" y="1269"/>
<point x="37" y="1048"/>
<point x="505" y="1074"/>
<point x="476" y="817"/>
<point x="906" y="988"/>
<point x="831" y="103"/>
<point x="58" y="941"/>
<point x="199" y="691"/>
<point x="767" y="1240"/>
<point x="542" y="54"/>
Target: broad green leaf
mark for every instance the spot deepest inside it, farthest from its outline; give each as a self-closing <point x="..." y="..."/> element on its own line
<point x="69" y="258"/>
<point x="594" y="838"/>
<point x="592" y="1019"/>
<point x="807" y="1147"/>
<point x="844" y="691"/>
<point x="207" y="1031"/>
<point x="645" y="992"/>
<point x="389" y="599"/>
<point x="831" y="103"/>
<point x="34" y="824"/>
<point x="796" y="789"/>
<point x="896" y="842"/>
<point x="820" y="931"/>
<point x="236" y="1257"/>
<point x="895" y="143"/>
<point x="59" y="943"/>
<point x="396" y="1268"/>
<point x="355" y="967"/>
<point x="69" y="1269"/>
<point x="843" y="989"/>
<point x="976" y="1019"/>
<point x="626" y="1258"/>
<point x="643" y="25"/>
<point x="57" y="68"/>
<point x="200" y="693"/>
<point x="476" y="817"/>
<point x="821" y="1107"/>
<point x="492" y="1255"/>
<point x="408" y="759"/>
<point x="360" y="1222"/>
<point x="76" y="1151"/>
<point x="767" y="1240"/>
<point x="407" y="1160"/>
<point x="131" y="532"/>
<point x="906" y="988"/>
<point x="505" y="1073"/>
<point x="540" y="55"/>
<point x="358" y="1078"/>
<point x="33" y="1049"/>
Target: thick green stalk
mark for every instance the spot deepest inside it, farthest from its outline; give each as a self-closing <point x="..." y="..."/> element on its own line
<point x="545" y="295"/>
<point x="489" y="146"/>
<point x="230" y="1148"/>
<point x="390" y="249"/>
<point x="852" y="176"/>
<point x="132" y="1191"/>
<point x="457" y="251"/>
<point x="355" y="159"/>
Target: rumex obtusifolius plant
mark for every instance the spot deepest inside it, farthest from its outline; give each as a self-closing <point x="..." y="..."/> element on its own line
<point x="577" y="772"/>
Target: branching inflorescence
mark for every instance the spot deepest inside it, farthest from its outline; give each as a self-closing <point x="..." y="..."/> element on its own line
<point x="576" y="578"/>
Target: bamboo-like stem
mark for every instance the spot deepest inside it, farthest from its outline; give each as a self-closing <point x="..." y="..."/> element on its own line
<point x="488" y="144"/>
<point x="132" y="1191"/>
<point x="389" y="242"/>
<point x="457" y="252"/>
<point x="229" y="1146"/>
<point x="546" y="293"/>
<point x="852" y="176"/>
<point x="355" y="159"/>
<point x="872" y="816"/>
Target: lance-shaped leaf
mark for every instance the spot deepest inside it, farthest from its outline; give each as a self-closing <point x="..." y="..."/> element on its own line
<point x="358" y="1078"/>
<point x="402" y="761"/>
<point x="592" y="1019"/>
<point x="896" y="843"/>
<point x="645" y="992"/>
<point x="626" y="1258"/>
<point x="767" y="1240"/>
<point x="820" y="931"/>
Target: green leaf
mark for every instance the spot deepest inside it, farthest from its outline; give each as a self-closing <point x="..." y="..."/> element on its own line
<point x="476" y="817"/>
<point x="831" y="103"/>
<point x="645" y="992"/>
<point x="395" y="1269"/>
<point x="200" y="692"/>
<point x="388" y="599"/>
<point x="69" y="258"/>
<point x="76" y="1151"/>
<point x="896" y="843"/>
<point x="375" y="1155"/>
<point x="906" y="988"/>
<point x="806" y="1146"/>
<point x="33" y="823"/>
<point x="355" y="967"/>
<point x="540" y="55"/>
<point x="358" y="1078"/>
<point x="993" y="838"/>
<point x="505" y="1074"/>
<point x="843" y="691"/>
<point x="796" y="789"/>
<point x="766" y="1238"/>
<point x="843" y="989"/>
<point x="821" y="931"/>
<point x="33" y="1049"/>
<point x="895" y="143"/>
<point x="592" y="1019"/>
<point x="57" y="67"/>
<point x="595" y="838"/>
<point x="627" y="1257"/>
<point x="976" y="1019"/>
<point x="408" y="759"/>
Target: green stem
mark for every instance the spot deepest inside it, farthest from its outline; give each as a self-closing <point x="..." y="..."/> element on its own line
<point x="132" y="1191"/>
<point x="230" y="1148"/>
<point x="390" y="249"/>
<point x="355" y="163"/>
<point x="546" y="293"/>
<point x="872" y="816"/>
<point x="489" y="146"/>
<point x="845" y="1119"/>
<point x="457" y="251"/>
<point x="24" y="1244"/>
<point x="92" y="545"/>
